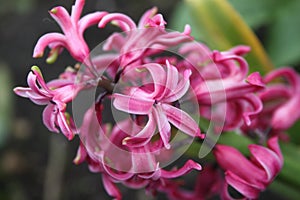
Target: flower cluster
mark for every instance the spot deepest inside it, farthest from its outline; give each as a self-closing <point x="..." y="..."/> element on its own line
<point x="162" y="85"/>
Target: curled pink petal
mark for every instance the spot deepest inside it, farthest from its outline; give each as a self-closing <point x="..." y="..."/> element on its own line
<point x="144" y="136"/>
<point x="46" y="40"/>
<point x="241" y="185"/>
<point x="49" y="117"/>
<point x="118" y="17"/>
<point x="250" y="177"/>
<point x="188" y="166"/>
<point x="89" y="20"/>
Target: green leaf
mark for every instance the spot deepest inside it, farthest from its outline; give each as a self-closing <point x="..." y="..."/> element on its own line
<point x="285" y="190"/>
<point x="280" y="20"/>
<point x="291" y="167"/>
<point x="182" y="16"/>
<point x="256" y="12"/>
<point x="294" y="133"/>
<point x="283" y="43"/>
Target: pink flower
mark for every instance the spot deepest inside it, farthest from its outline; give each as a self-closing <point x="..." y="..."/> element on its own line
<point x="135" y="167"/>
<point x="284" y="115"/>
<point x="228" y="80"/>
<point x="73" y="28"/>
<point x="250" y="177"/>
<point x="279" y="101"/>
<point x="155" y="101"/>
<point x="139" y="41"/>
<point x="54" y="95"/>
<point x="221" y="80"/>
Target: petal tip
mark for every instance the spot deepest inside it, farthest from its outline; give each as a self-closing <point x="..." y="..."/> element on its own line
<point x="53" y="10"/>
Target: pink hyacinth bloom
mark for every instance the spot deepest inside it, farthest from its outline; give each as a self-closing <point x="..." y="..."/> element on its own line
<point x="250" y="177"/>
<point x="134" y="167"/>
<point x="73" y="28"/>
<point x="229" y="77"/>
<point x="155" y="101"/>
<point x="221" y="80"/>
<point x="284" y="115"/>
<point x="279" y="102"/>
<point x="54" y="95"/>
<point x="143" y="39"/>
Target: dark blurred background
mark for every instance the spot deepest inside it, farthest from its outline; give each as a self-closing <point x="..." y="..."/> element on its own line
<point x="34" y="163"/>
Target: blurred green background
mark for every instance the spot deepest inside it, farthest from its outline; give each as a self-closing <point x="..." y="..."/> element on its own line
<point x="36" y="164"/>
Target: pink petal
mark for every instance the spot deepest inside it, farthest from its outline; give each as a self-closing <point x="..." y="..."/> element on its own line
<point x="157" y="21"/>
<point x="181" y="120"/>
<point x="158" y="75"/>
<point x="187" y="30"/>
<point x="188" y="166"/>
<point x="49" y="117"/>
<point x="110" y="187"/>
<point x="255" y="79"/>
<point x="256" y="105"/>
<point x="65" y="94"/>
<point x="64" y="125"/>
<point x="285" y="116"/>
<point x="147" y="15"/>
<point x="288" y="73"/>
<point x="81" y="155"/>
<point x="245" y="188"/>
<point x="268" y="159"/>
<point x="181" y="89"/>
<point x="240" y="50"/>
<point x="172" y="39"/>
<point x="62" y="17"/>
<point x="233" y="119"/>
<point x="137" y="184"/>
<point x="46" y="40"/>
<point x="32" y="81"/>
<point x="91" y="130"/>
<point x="89" y="20"/>
<point x="77" y="10"/>
<point x="22" y="91"/>
<point x="144" y="136"/>
<point x="164" y="127"/>
<point x="132" y="104"/>
<point x="144" y="162"/>
<point x="171" y="82"/>
<point x="272" y="143"/>
<point x="118" y="175"/>
<point x="153" y="174"/>
<point x="115" y="42"/>
<point x="237" y="73"/>
<point x="215" y="91"/>
<point x="118" y="18"/>
<point x="228" y="157"/>
<point x="37" y="98"/>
